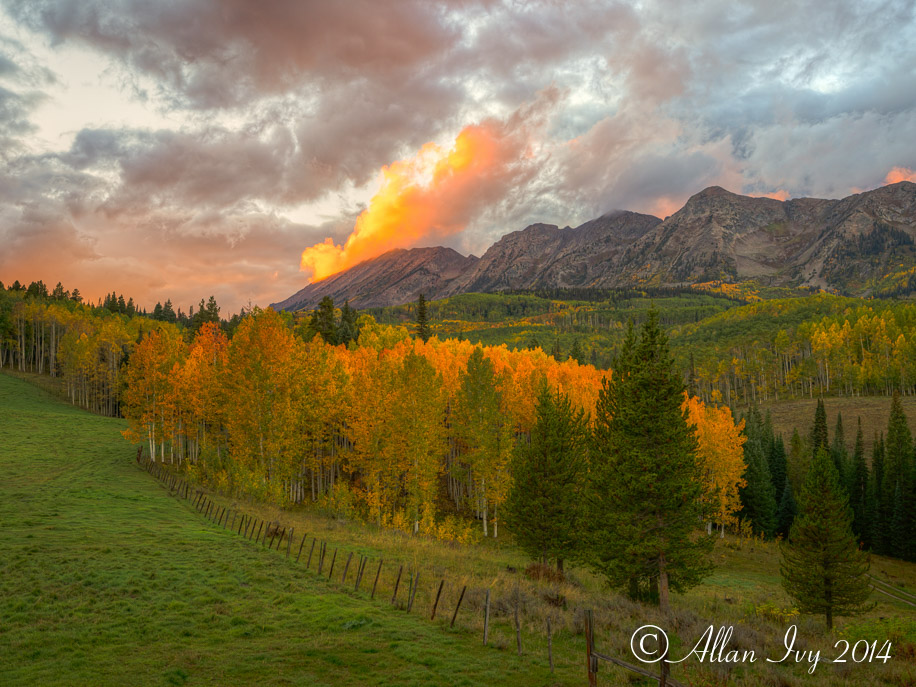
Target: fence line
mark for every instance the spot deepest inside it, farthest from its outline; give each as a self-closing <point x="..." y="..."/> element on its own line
<point x="251" y="528"/>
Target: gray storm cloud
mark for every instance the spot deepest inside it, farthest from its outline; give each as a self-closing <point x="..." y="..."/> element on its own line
<point x="265" y="107"/>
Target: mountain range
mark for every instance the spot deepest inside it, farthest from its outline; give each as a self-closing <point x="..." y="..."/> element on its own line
<point x="857" y="245"/>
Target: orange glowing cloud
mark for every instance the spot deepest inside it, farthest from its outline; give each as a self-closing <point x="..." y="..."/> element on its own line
<point x="434" y="194"/>
<point x="898" y="174"/>
<point x="781" y="194"/>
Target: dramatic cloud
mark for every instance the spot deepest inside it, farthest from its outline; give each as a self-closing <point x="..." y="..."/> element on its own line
<point x="173" y="150"/>
<point x="900" y="174"/>
<point x="437" y="192"/>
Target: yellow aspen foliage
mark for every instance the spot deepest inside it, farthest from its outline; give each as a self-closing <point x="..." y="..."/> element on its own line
<point x="721" y="456"/>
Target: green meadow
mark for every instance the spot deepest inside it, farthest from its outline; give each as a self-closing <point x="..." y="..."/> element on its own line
<point x="105" y="579"/>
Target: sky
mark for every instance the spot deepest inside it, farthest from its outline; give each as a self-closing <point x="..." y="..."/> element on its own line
<point x="177" y="150"/>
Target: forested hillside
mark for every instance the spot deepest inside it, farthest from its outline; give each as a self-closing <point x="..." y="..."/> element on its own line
<point x="731" y="350"/>
<point x="393" y="430"/>
<point x="413" y="425"/>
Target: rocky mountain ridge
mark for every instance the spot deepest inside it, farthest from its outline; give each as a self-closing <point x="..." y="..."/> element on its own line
<point x="849" y="245"/>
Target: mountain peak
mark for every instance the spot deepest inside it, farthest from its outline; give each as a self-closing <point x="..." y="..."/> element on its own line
<point x="716" y="235"/>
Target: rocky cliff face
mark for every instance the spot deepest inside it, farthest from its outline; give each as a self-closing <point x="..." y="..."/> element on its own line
<point x="544" y="256"/>
<point x="839" y="244"/>
<point x="848" y="245"/>
<point x="397" y="276"/>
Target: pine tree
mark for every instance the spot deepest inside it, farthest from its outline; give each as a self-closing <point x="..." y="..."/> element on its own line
<point x="758" y="496"/>
<point x="348" y="330"/>
<point x="778" y="464"/>
<point x="758" y="499"/>
<point x="644" y="488"/>
<point x="212" y="311"/>
<point x="556" y="351"/>
<point x="543" y="506"/>
<point x="898" y="531"/>
<point x="423" y="332"/>
<point x="787" y="511"/>
<point x="323" y="321"/>
<point x="821" y="567"/>
<point x="857" y="488"/>
<point x="168" y="312"/>
<point x="838" y="452"/>
<point x="898" y="453"/>
<point x="876" y="516"/>
<point x="819" y="437"/>
<point x="575" y="353"/>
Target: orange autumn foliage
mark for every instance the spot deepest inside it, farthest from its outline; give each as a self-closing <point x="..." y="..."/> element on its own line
<point x="378" y="429"/>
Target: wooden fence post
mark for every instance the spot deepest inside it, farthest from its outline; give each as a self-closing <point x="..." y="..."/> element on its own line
<point x="311" y="551"/>
<point x="413" y="591"/>
<point x="272" y="536"/>
<point x="486" y="619"/>
<point x="591" y="662"/>
<point x="301" y="544"/>
<point x="359" y="572"/>
<point x="665" y="669"/>
<point x="289" y="541"/>
<point x="258" y="535"/>
<point x="436" y="602"/>
<point x="397" y="583"/>
<point x="280" y="540"/>
<point x="374" y="584"/>
<point x="346" y="568"/>
<point x="333" y="560"/>
<point x="457" y="606"/>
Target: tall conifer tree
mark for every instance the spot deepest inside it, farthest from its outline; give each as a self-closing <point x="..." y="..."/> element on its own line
<point x="898" y="455"/>
<point x="423" y="332"/>
<point x="544" y="503"/>
<point x="876" y="516"/>
<point x="787" y="511"/>
<point x="839" y="453"/>
<point x="858" y="489"/>
<point x="819" y="436"/>
<point x="821" y="567"/>
<point x="644" y="483"/>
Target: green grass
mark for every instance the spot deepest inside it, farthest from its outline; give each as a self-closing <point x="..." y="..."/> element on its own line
<point x="106" y="579"/>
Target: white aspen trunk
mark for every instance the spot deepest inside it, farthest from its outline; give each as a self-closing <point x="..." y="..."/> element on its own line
<point x="483" y="489"/>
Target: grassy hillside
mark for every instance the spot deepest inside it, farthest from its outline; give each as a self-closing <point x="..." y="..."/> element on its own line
<point x="105" y="578"/>
<point x="873" y="410"/>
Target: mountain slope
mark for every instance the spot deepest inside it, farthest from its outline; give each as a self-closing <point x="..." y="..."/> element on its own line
<point x="544" y="256"/>
<point x="859" y="245"/>
<point x="397" y="276"/>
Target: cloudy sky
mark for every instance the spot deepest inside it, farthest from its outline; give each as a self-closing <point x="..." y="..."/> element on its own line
<point x="180" y="149"/>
